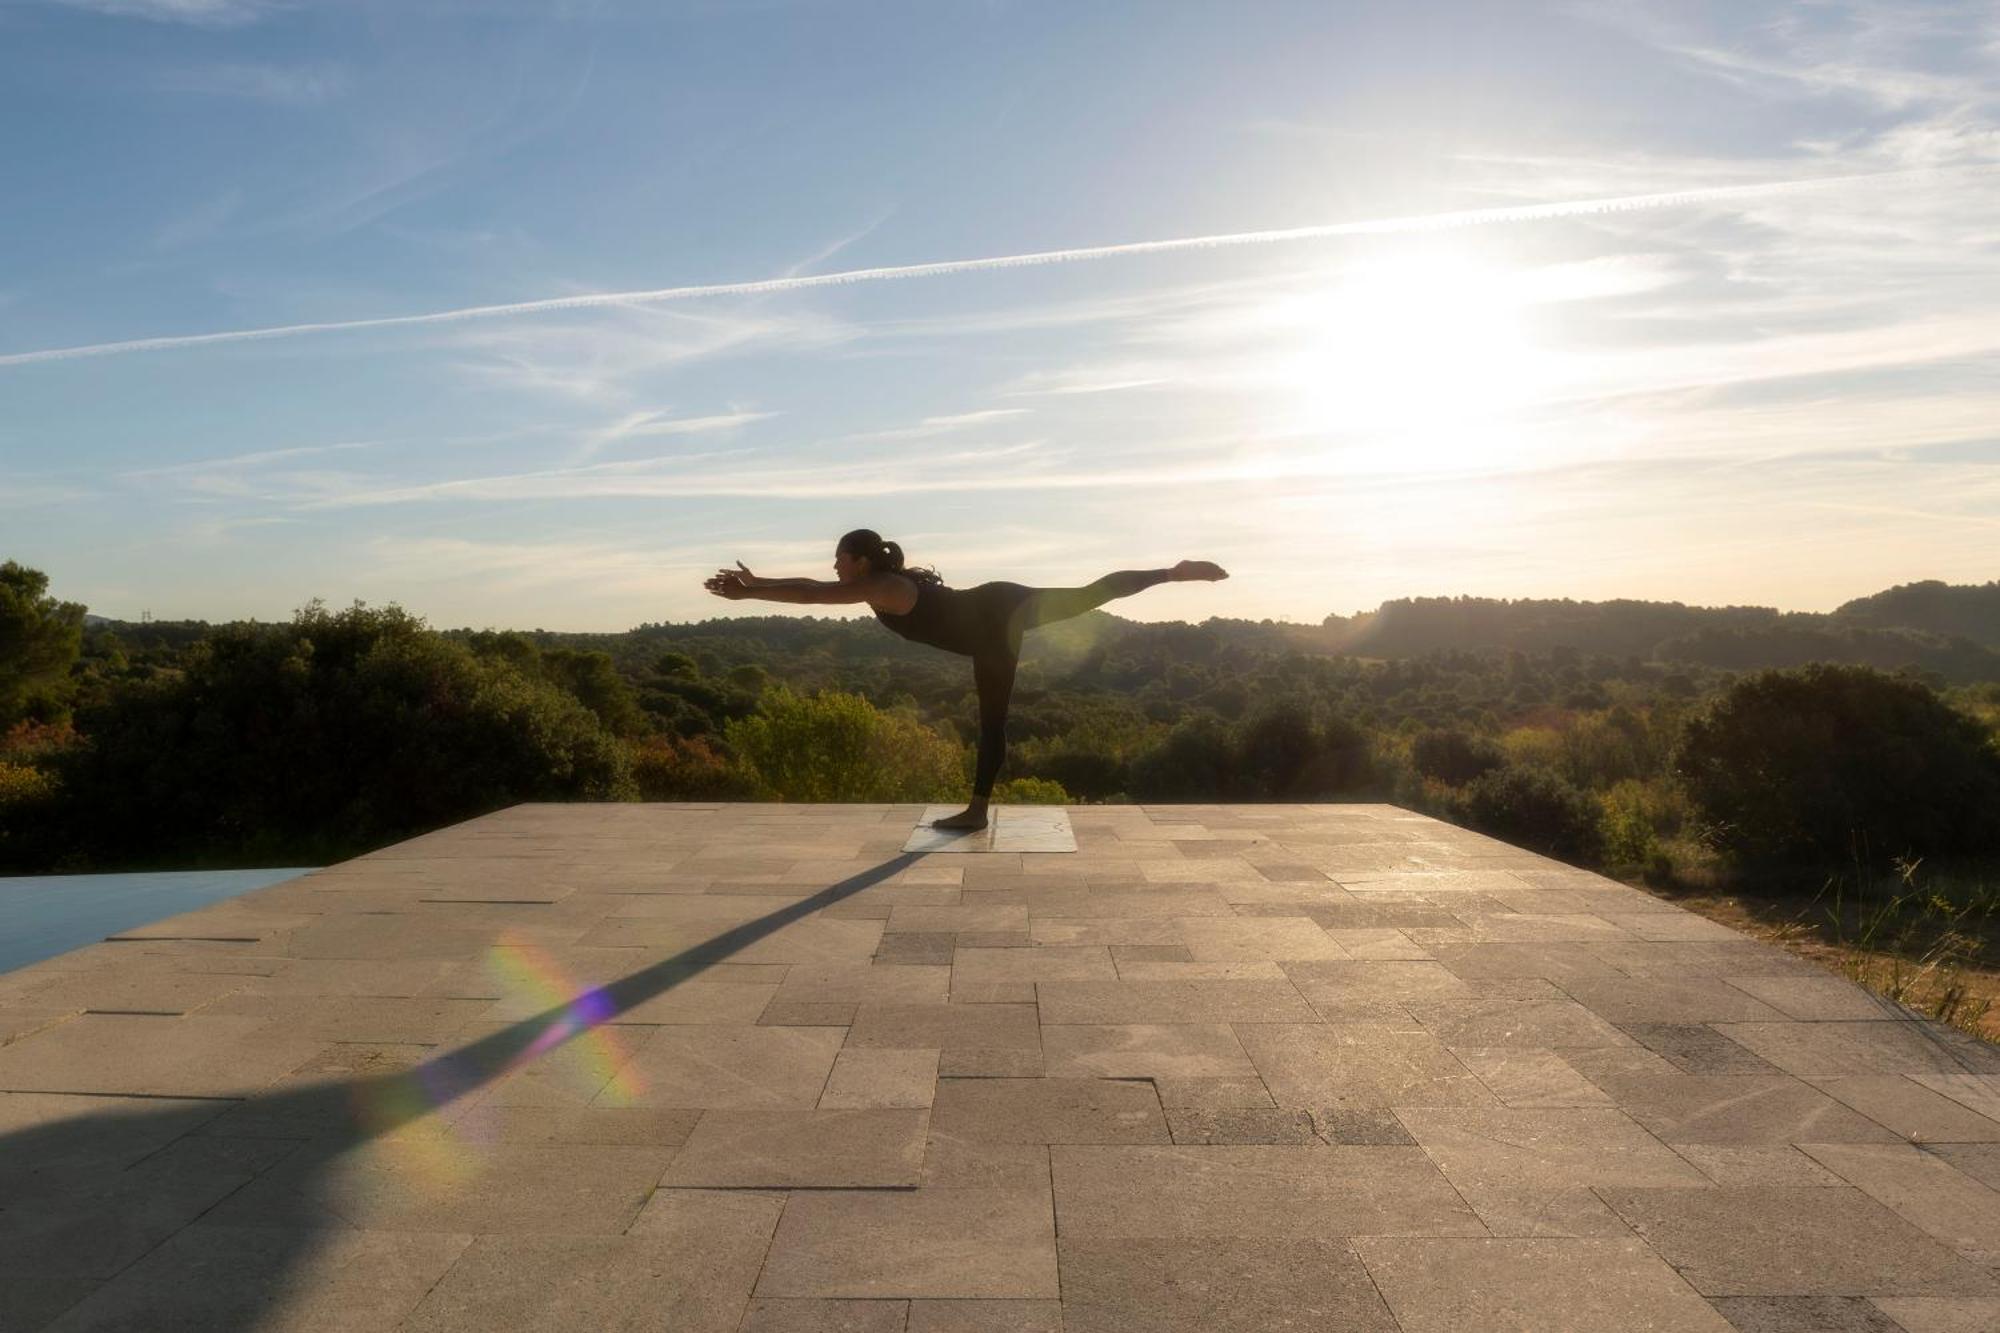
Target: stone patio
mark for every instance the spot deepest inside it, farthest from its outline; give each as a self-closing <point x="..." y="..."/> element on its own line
<point x="757" y="1067"/>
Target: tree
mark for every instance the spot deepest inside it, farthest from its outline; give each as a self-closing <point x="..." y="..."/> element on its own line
<point x="1830" y="763"/>
<point x="39" y="640"/>
<point x="834" y="746"/>
<point x="1532" y="806"/>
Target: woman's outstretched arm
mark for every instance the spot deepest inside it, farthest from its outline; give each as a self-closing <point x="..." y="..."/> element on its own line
<point x="739" y="586"/>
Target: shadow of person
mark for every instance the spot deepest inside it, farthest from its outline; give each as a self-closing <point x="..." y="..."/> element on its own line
<point x="131" y="1218"/>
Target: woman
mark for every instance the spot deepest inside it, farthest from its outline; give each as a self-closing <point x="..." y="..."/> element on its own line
<point x="984" y="623"/>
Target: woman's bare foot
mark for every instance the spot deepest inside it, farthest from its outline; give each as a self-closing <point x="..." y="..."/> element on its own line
<point x="1189" y="570"/>
<point x="972" y="817"/>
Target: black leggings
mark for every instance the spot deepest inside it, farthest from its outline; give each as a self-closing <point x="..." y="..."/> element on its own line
<point x="1006" y="611"/>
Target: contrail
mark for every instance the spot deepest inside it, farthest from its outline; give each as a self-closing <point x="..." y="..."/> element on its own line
<point x="1422" y="222"/>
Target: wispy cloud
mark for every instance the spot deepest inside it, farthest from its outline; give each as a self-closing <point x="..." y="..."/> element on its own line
<point x="203" y="13"/>
<point x="275" y="85"/>
<point x="243" y="462"/>
<point x="1427" y="222"/>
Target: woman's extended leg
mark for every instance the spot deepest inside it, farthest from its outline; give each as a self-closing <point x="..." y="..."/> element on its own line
<point x="1048" y="604"/>
<point x="993" y="675"/>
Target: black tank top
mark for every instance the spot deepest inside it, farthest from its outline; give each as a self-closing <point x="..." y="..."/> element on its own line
<point x="942" y="617"/>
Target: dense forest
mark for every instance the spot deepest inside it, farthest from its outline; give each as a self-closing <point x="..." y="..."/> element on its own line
<point x="1635" y="735"/>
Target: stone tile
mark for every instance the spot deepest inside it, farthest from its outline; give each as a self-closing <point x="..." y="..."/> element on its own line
<point x="421" y="1178"/>
<point x="1500" y="1020"/>
<point x="869" y="1077"/>
<point x="811" y="940"/>
<point x="1770" y="1241"/>
<point x="1161" y="969"/>
<point x="946" y="1027"/>
<point x="1376" y="945"/>
<point x="1079" y="931"/>
<point x="1253" y="1191"/>
<point x="1526" y="1077"/>
<point x="1756" y="1164"/>
<point x="1216" y="1285"/>
<point x="361" y="1018"/>
<point x="1682" y="925"/>
<point x="1230" y="939"/>
<point x="1145" y="1050"/>
<point x="635" y="1126"/>
<point x="687" y="1264"/>
<point x="973" y="967"/>
<point x="127" y="989"/>
<point x="1975" y="1092"/>
<point x="1495" y="1148"/>
<point x="1804" y="1314"/>
<point x="1981" y="1161"/>
<point x="1357" y="1067"/>
<point x="1923" y="1189"/>
<point x="914" y="918"/>
<point x="1049" y="1110"/>
<point x="1246" y="1092"/>
<point x="1379" y="1128"/>
<point x="1709" y="958"/>
<point x="797" y="1316"/>
<point x="932" y="1243"/>
<point x="758" y="1149"/>
<point x="52" y="1134"/>
<point x="1910" y="1109"/>
<point x="1665" y="1000"/>
<point x="1834" y="1048"/>
<point x="1173" y="1002"/>
<point x="1560" y="963"/>
<point x="1941" y="1314"/>
<point x="1528" y="928"/>
<point x="1532" y="1286"/>
<point x="1695" y="1048"/>
<point x="986" y="1317"/>
<point x="727" y="1066"/>
<point x="87" y="1221"/>
<point x="1240" y="1125"/>
<point x="921" y="950"/>
<point x="1374" y="991"/>
<point x="1819" y="998"/>
<point x="188" y="1056"/>
<point x="989" y="1062"/>
<point x="1544" y="1212"/>
<point x="1696" y="1108"/>
<point x="214" y="1277"/>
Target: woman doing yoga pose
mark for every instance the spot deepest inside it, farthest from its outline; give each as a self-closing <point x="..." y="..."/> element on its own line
<point x="984" y="623"/>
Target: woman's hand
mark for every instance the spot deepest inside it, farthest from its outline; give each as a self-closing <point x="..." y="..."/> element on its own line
<point x="733" y="583"/>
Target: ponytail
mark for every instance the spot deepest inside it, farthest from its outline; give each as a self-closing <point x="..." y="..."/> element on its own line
<point x="885" y="555"/>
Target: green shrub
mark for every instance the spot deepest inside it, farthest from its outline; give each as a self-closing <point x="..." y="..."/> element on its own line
<point x="1454" y="757"/>
<point x="1628" y="825"/>
<point x="1535" y="807"/>
<point x="1831" y="764"/>
<point x="673" y="768"/>
<point x="833" y="746"/>
<point x="1030" y="791"/>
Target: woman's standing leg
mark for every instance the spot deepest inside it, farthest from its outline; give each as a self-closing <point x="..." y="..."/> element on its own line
<point x="993" y="675"/>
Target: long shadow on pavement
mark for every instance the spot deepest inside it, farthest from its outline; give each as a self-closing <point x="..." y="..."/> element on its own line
<point x="84" y="1199"/>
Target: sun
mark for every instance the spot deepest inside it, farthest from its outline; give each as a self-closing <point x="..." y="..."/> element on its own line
<point x="1421" y="358"/>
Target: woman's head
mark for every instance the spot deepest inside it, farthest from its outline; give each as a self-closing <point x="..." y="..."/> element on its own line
<point x="863" y="552"/>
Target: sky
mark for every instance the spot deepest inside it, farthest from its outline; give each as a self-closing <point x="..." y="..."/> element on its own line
<point x="1687" y="301"/>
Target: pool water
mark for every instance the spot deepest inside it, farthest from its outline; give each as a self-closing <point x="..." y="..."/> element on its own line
<point x="44" y="915"/>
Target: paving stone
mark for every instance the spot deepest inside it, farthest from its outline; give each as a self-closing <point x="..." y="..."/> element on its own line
<point x="1756" y="1164"/>
<point x="1253" y="1191"/>
<point x="635" y="1126"/>
<point x="1172" y="1002"/>
<point x="1770" y="1241"/>
<point x="989" y="1062"/>
<point x="1532" y="1286"/>
<point x="1213" y="1093"/>
<point x="797" y="1316"/>
<point x="1981" y="1161"/>
<point x="1526" y="1077"/>
<point x="129" y="989"/>
<point x="1378" y="1127"/>
<point x="1560" y="963"/>
<point x="1696" y="1108"/>
<point x="868" y="1077"/>
<point x="1482" y="1147"/>
<point x="977" y="967"/>
<point x="1145" y="1050"/>
<point x="933" y="1243"/>
<point x="360" y="1018"/>
<point x="1240" y="1125"/>
<point x="946" y="1027"/>
<point x="812" y="940"/>
<point x="758" y="1149"/>
<point x="1374" y="991"/>
<point x="1237" y="969"/>
<point x="673" y="1270"/>
<point x="1216" y="1285"/>
<point x="1695" y="1048"/>
<point x="921" y="950"/>
<point x="1819" y="998"/>
<point x="1532" y="1212"/>
<point x="986" y="1317"/>
<point x="423" y="1178"/>
<point x="1910" y="1109"/>
<point x="1229" y="939"/>
<point x="1975" y="1092"/>
<point x="727" y="1066"/>
<point x="213" y="1277"/>
<point x="53" y="1134"/>
<point x="1941" y="1314"/>
<point x="1922" y="1189"/>
<point x="1500" y="1020"/>
<point x="1664" y="1000"/>
<point x="1050" y="1110"/>
<point x="1833" y="1048"/>
<point x="1804" y="1314"/>
<point x="1357" y="1067"/>
<point x="187" y="1056"/>
<point x="869" y="983"/>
